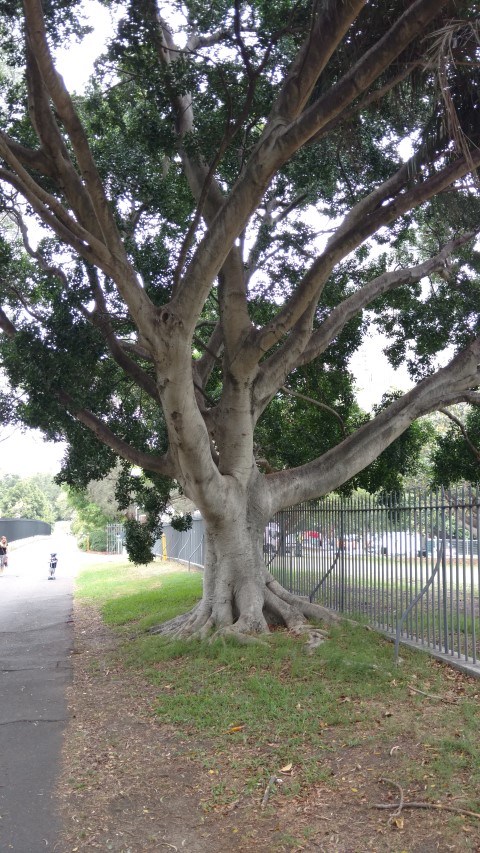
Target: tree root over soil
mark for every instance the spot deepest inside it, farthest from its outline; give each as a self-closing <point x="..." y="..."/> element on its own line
<point x="406" y="804"/>
<point x="280" y="608"/>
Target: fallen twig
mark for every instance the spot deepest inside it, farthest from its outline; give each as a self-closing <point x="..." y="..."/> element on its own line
<point x="430" y="695"/>
<point x="422" y="805"/>
<point x="399" y="808"/>
<point x="268" y="790"/>
<point x="418" y="805"/>
<point x="401" y="795"/>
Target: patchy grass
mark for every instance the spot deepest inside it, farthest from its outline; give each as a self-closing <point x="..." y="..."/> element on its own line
<point x="139" y="596"/>
<point x="344" y="718"/>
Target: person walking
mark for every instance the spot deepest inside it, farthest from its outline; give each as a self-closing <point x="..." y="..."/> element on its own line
<point x="3" y="553"/>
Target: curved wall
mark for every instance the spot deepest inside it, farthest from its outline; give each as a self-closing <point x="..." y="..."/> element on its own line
<point x="23" y="528"/>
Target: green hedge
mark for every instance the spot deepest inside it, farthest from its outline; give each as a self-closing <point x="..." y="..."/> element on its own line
<point x="98" y="539"/>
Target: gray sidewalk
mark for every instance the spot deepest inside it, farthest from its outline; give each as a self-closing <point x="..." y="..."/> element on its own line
<point x="35" y="645"/>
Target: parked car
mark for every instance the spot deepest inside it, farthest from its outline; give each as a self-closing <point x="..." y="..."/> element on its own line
<point x="312" y="538"/>
<point x="293" y="545"/>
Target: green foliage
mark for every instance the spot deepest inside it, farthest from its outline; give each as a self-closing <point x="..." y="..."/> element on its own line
<point x="140" y="539"/>
<point x="32" y="497"/>
<point x="89" y="518"/>
<point x="453" y="459"/>
<point x="400" y="460"/>
<point x="151" y="494"/>
<point x="98" y="539"/>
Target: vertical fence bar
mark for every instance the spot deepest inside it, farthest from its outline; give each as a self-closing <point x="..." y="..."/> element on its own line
<point x="464" y="577"/>
<point x="341" y="545"/>
<point x="457" y="578"/>
<point x="444" y="574"/>
<point x="477" y="517"/>
<point x="389" y="566"/>
<point x="472" y="579"/>
<point x="418" y="552"/>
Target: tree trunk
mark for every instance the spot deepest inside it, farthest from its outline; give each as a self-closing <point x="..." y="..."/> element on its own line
<point x="240" y="596"/>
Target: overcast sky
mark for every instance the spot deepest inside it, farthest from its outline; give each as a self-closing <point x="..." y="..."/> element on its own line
<point x="27" y="453"/>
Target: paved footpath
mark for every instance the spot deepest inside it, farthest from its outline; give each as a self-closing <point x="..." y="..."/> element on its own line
<point x="36" y="637"/>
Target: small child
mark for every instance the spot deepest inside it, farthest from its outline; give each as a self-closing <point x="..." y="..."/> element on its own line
<point x="52" y="567"/>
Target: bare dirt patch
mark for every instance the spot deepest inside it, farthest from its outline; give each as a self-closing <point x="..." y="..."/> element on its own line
<point x="133" y="785"/>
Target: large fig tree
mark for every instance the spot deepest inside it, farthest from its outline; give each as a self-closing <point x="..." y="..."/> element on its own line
<point x="242" y="189"/>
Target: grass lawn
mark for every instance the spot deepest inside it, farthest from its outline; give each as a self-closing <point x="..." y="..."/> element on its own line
<point x="271" y="711"/>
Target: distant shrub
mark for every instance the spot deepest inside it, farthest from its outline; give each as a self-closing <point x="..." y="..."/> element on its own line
<point x="98" y="539"/>
<point x="83" y="542"/>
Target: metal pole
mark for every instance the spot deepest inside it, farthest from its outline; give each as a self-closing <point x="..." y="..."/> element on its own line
<point x="342" y="560"/>
<point x="444" y="573"/>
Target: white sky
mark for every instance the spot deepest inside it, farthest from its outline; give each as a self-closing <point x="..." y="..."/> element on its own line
<point x="75" y="61"/>
<point x="27" y="453"/>
<point x="374" y="375"/>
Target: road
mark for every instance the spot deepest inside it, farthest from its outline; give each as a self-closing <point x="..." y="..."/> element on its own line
<point x="36" y="637"/>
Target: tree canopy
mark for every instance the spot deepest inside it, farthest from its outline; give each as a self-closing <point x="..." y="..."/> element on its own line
<point x="31" y="497"/>
<point x="240" y="192"/>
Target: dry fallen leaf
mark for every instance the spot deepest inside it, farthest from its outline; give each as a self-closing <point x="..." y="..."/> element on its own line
<point x="398" y="822"/>
<point x="235" y="729"/>
<point x="287" y="768"/>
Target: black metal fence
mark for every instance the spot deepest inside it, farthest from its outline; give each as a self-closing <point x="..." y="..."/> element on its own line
<point x="186" y="546"/>
<point x="23" y="528"/>
<point x="408" y="564"/>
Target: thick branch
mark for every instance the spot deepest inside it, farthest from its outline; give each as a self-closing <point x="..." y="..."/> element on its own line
<point x="53" y="214"/>
<point x="128" y="285"/>
<point x="37" y="40"/>
<point x="385" y="283"/>
<point x="59" y="164"/>
<point x="373" y="97"/>
<point x="147" y="461"/>
<point x="211" y="354"/>
<point x="360" y="76"/>
<point x="331" y="18"/>
<point x="451" y="384"/>
<point x="6" y="325"/>
<point x="346" y="240"/>
<point x="207" y="193"/>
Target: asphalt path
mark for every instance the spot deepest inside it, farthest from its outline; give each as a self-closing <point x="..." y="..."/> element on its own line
<point x="36" y="638"/>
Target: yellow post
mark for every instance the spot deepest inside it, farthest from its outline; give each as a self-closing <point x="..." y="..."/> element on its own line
<point x="164" y="547"/>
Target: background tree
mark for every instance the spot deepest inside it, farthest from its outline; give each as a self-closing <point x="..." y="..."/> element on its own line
<point x="31" y="497"/>
<point x="91" y="514"/>
<point x="226" y="209"/>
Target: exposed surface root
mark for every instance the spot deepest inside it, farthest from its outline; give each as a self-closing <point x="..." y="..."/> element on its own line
<point x="308" y="610"/>
<point x="279" y="608"/>
<point x="195" y="622"/>
<point x="238" y="635"/>
<point x="315" y="640"/>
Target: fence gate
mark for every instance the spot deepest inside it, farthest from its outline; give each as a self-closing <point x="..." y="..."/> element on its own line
<point x="115" y="538"/>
